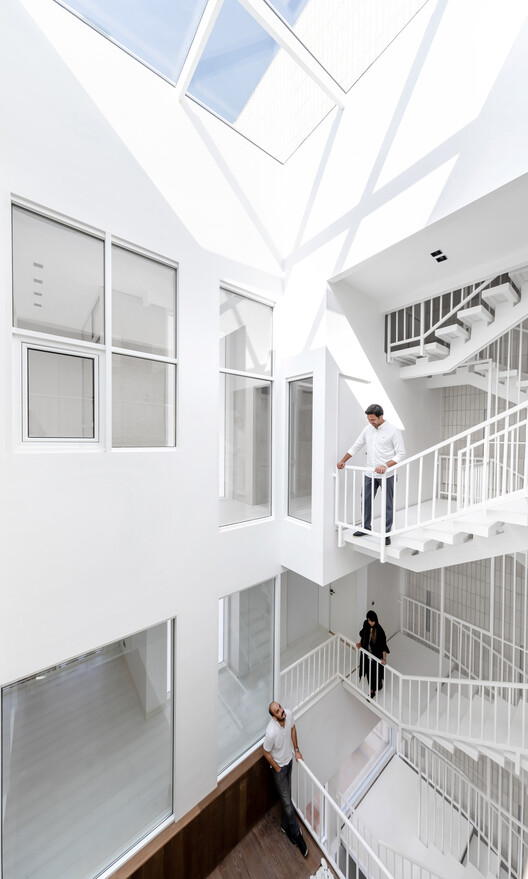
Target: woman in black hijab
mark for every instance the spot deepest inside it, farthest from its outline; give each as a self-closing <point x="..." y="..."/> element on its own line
<point x="373" y="640"/>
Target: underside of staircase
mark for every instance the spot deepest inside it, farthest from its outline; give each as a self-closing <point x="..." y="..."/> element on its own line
<point x="483" y="531"/>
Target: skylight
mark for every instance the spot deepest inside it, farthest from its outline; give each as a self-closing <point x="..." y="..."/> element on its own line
<point x="346" y="36"/>
<point x="274" y="93"/>
<point x="157" y="32"/>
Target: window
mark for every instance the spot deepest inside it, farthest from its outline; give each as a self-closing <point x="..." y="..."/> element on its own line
<point x="58" y="278"/>
<point x="59" y="322"/>
<point x="245" y="406"/>
<point x="87" y="758"/>
<point x="245" y="673"/>
<point x="60" y="395"/>
<point x="300" y="449"/>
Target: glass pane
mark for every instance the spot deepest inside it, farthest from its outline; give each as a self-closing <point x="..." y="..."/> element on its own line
<point x="245" y="678"/>
<point x="346" y="38"/>
<point x="58" y="278"/>
<point x="143" y="402"/>
<point x="245" y="334"/>
<point x="87" y="758"/>
<point x="247" y="79"/>
<point x="300" y="450"/>
<point x="159" y="32"/>
<point x="60" y="395"/>
<point x="143" y="304"/>
<point x="245" y="449"/>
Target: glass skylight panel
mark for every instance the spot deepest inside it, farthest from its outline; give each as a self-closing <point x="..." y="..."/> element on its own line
<point x="346" y="36"/>
<point x="249" y="81"/>
<point x="157" y="32"/>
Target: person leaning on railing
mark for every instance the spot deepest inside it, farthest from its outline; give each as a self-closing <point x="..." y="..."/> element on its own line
<point x="385" y="448"/>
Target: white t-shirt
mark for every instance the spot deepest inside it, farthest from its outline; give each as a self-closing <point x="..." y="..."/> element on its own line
<point x="383" y="443"/>
<point x="278" y="740"/>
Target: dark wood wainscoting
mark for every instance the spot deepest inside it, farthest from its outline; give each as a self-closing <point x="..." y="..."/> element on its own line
<point x="192" y="847"/>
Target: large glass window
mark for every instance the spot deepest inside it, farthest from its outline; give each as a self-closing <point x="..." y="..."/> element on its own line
<point x="245" y="670"/>
<point x="60" y="395"/>
<point x="87" y="758"/>
<point x="58" y="278"/>
<point x="300" y="449"/>
<point x="59" y="291"/>
<point x="245" y="408"/>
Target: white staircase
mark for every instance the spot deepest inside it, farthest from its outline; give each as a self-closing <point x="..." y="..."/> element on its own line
<point x="476" y="716"/>
<point x="438" y="335"/>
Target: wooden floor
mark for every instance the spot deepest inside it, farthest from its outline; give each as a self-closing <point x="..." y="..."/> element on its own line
<point x="267" y="853"/>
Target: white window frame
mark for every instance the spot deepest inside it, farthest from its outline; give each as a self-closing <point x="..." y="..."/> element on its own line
<point x="255" y="296"/>
<point x="100" y="352"/>
<point x="21" y="400"/>
<point x="286" y="496"/>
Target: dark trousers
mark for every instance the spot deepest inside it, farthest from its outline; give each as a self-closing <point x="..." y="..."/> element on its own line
<point x="367" y="501"/>
<point x="282" y="781"/>
<point x="373" y="671"/>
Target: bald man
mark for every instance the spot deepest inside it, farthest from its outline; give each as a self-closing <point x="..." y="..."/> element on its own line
<point x="280" y="745"/>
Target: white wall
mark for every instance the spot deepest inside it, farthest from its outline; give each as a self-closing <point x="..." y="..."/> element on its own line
<point x="99" y="545"/>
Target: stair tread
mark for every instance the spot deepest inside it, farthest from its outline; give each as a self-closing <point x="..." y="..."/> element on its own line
<point x="475" y="315"/>
<point x="451" y="332"/>
<point x="502" y="293"/>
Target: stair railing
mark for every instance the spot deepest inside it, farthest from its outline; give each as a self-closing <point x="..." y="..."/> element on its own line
<point x="453" y="812"/>
<point x="481" y="712"/>
<point x="467" y="647"/>
<point x="343" y="846"/>
<point x="400" y="865"/>
<point x="485" y="463"/>
<point x="414" y="324"/>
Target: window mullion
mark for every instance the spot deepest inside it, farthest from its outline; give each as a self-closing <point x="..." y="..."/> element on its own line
<point x="108" y="341"/>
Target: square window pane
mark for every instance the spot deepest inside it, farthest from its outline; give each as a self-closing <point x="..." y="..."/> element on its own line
<point x="87" y="758"/>
<point x="245" y="449"/>
<point x="143" y="304"/>
<point x="245" y="334"/>
<point x="58" y="278"/>
<point x="300" y="449"/>
<point x="143" y="402"/>
<point x="245" y="677"/>
<point x="60" y="395"/>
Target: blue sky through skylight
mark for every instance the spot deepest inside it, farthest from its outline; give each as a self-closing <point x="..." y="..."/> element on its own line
<point x="159" y="32"/>
<point x="236" y="57"/>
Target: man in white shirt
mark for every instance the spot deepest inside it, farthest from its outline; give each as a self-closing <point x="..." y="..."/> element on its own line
<point x="280" y="744"/>
<point x="385" y="448"/>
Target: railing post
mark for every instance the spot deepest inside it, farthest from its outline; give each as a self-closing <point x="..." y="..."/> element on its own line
<point x="383" y="514"/>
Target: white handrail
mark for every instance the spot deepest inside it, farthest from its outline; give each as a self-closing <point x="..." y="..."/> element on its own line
<point x="446" y="795"/>
<point x="481" y="712"/>
<point x="470" y="647"/>
<point x="466" y="480"/>
<point x="395" y="861"/>
<point x="331" y="828"/>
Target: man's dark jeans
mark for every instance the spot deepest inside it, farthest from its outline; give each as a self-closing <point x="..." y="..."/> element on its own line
<point x="282" y="781"/>
<point x="367" y="502"/>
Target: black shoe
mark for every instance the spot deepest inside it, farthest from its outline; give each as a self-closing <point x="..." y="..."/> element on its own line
<point x="359" y="534"/>
<point x="372" y="693"/>
<point x="387" y="541"/>
<point x="303" y="848"/>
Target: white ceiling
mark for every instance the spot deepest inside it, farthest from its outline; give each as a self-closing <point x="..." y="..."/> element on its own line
<point x="487" y="236"/>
